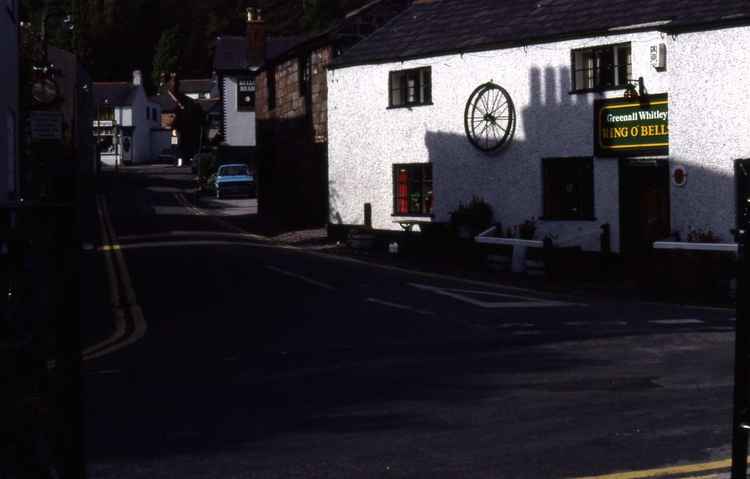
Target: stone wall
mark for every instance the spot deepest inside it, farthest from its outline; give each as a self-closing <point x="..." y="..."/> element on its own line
<point x="289" y="103"/>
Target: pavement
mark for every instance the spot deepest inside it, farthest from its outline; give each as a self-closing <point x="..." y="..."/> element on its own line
<point x="215" y="351"/>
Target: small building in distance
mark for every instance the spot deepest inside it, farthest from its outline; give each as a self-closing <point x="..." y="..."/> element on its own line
<point x="127" y="123"/>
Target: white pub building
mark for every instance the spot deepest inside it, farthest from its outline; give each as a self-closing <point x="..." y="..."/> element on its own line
<point x="573" y="113"/>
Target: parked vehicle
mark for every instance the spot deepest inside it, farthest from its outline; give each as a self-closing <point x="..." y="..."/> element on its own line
<point x="234" y="179"/>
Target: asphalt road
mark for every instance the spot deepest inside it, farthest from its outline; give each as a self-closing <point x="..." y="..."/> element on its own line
<point x="265" y="361"/>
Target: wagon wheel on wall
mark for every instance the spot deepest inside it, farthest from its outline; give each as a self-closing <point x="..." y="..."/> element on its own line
<point x="490" y="117"/>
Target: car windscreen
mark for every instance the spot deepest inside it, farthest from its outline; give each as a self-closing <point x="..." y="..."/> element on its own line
<point x="233" y="171"/>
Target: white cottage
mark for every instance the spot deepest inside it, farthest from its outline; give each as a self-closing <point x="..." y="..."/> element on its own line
<point x="9" y="113"/>
<point x="126" y="121"/>
<point x="574" y="113"/>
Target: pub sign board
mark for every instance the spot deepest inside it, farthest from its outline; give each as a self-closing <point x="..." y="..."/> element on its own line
<point x="632" y="126"/>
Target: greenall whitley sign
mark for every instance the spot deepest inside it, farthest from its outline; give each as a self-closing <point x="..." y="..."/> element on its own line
<point x="631" y="126"/>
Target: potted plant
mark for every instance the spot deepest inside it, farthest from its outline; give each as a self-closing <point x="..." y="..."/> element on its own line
<point x="471" y="219"/>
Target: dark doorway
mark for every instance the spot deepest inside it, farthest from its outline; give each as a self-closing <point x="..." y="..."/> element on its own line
<point x="644" y="204"/>
<point x="742" y="177"/>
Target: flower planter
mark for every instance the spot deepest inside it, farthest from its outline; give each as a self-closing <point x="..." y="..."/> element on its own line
<point x="702" y="273"/>
<point x="360" y="240"/>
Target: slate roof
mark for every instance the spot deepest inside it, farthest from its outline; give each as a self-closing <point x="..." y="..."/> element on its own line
<point x="435" y="27"/>
<point x="114" y="93"/>
<point x="187" y="86"/>
<point x="200" y="85"/>
<point x="231" y="51"/>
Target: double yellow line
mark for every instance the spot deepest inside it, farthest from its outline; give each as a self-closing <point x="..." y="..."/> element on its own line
<point x="130" y="326"/>
<point x="711" y="468"/>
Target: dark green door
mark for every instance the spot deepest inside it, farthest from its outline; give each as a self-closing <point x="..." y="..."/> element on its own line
<point x="644" y="204"/>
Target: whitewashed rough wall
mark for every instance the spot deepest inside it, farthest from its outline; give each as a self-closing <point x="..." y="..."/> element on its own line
<point x="239" y="125"/>
<point x="9" y="113"/>
<point x="709" y="125"/>
<point x="141" y="141"/>
<point x="366" y="138"/>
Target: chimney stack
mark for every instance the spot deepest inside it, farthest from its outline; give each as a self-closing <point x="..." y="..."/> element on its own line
<point x="137" y="78"/>
<point x="256" y="37"/>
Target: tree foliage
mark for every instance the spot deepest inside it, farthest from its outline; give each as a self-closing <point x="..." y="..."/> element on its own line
<point x="167" y="55"/>
<point x="114" y="37"/>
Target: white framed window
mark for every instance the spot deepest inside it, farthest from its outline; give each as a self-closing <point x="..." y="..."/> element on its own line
<point x="410" y="87"/>
<point x="601" y="68"/>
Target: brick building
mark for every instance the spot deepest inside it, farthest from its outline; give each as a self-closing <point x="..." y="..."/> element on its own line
<point x="291" y="110"/>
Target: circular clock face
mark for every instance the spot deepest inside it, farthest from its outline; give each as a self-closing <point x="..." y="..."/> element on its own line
<point x="44" y="91"/>
<point x="490" y="117"/>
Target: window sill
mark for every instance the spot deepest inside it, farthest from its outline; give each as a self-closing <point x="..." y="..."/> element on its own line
<point x="412" y="215"/>
<point x="598" y="90"/>
<point x="408" y="107"/>
<point x="562" y="218"/>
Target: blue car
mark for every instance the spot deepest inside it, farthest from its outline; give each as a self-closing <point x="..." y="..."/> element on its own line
<point x="234" y="179"/>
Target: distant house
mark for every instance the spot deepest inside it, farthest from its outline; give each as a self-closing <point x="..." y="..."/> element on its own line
<point x="292" y="114"/>
<point x="9" y="105"/>
<point x="237" y="60"/>
<point x="127" y="123"/>
<point x="204" y="93"/>
<point x="576" y="114"/>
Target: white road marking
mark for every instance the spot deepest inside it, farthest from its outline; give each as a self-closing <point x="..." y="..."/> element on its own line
<point x="577" y="323"/>
<point x="732" y="319"/>
<point x="196" y="211"/>
<point x="514" y="325"/>
<point x="614" y="323"/>
<point x="526" y="301"/>
<point x="677" y="321"/>
<point x="399" y="306"/>
<point x="301" y="278"/>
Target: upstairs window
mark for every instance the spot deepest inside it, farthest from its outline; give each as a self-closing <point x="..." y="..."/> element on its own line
<point x="568" y="188"/>
<point x="410" y="87"/>
<point x="106" y="114"/>
<point x="412" y="189"/>
<point x="246" y="94"/>
<point x="600" y="68"/>
<point x="304" y="67"/>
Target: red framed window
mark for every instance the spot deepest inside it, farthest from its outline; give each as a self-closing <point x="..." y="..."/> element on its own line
<point x="412" y="189"/>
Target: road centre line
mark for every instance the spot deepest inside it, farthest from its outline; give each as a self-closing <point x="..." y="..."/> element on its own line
<point x="676" y="321"/>
<point x="399" y="306"/>
<point x="715" y="466"/>
<point x="301" y="278"/>
<point x="527" y="301"/>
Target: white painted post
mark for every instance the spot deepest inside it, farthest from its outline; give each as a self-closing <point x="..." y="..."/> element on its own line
<point x="518" y="264"/>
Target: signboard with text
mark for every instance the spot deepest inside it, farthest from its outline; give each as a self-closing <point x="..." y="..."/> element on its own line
<point x="46" y="126"/>
<point x="632" y="126"/>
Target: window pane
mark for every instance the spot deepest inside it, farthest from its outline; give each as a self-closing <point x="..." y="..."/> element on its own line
<point x="412" y="84"/>
<point x="402" y="205"/>
<point x="396" y="97"/>
<point x="605" y="63"/>
<point x="568" y="188"/>
<point x="623" y="64"/>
